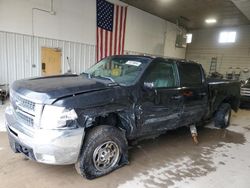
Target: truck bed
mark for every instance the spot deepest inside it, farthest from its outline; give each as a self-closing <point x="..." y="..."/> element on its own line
<point x="218" y="89"/>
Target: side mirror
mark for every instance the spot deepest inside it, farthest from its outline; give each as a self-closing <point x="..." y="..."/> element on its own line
<point x="148" y="85"/>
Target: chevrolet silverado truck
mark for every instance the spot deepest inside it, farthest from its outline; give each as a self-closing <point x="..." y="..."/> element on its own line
<point x="88" y="119"/>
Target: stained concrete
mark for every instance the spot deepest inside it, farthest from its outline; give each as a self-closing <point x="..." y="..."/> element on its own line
<point x="171" y="160"/>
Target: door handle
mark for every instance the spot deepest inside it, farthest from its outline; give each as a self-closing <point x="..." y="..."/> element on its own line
<point x="155" y="91"/>
<point x="187" y="93"/>
<point x="176" y="97"/>
<point x="203" y="94"/>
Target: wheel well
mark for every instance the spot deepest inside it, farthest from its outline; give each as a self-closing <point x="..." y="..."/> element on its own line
<point x="109" y="119"/>
<point x="112" y="119"/>
<point x="233" y="102"/>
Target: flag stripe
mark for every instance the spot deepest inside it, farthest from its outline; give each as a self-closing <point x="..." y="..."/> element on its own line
<point x="120" y="32"/>
<point x="101" y="41"/>
<point x="106" y="43"/>
<point x="116" y="27"/>
<point x="97" y="44"/>
<point x="113" y="33"/>
<point x="110" y="42"/>
<point x="124" y="28"/>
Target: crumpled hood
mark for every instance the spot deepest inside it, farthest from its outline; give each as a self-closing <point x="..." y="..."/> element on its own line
<point x="48" y="89"/>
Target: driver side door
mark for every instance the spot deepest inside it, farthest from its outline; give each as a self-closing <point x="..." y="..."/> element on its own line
<point x="161" y="103"/>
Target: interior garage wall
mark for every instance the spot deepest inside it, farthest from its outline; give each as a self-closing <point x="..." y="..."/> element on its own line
<point x="144" y="32"/>
<point x="205" y="45"/>
<point x="75" y="21"/>
<point x="75" y="24"/>
<point x="169" y="46"/>
<point x="20" y="55"/>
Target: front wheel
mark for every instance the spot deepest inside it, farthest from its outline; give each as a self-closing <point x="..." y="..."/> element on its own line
<point x="222" y="116"/>
<point x="104" y="150"/>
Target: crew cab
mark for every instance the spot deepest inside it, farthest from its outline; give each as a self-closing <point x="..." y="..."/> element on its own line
<point x="88" y="119"/>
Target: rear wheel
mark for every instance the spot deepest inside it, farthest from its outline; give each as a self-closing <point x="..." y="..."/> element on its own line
<point x="223" y="116"/>
<point x="104" y="150"/>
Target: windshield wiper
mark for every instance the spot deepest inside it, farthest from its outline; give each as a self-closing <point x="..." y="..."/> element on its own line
<point x="88" y="75"/>
<point x="107" y="78"/>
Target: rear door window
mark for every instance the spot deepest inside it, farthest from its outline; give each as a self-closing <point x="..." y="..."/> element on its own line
<point x="190" y="74"/>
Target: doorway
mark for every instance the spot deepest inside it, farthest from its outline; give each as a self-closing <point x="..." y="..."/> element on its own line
<point x="51" y="61"/>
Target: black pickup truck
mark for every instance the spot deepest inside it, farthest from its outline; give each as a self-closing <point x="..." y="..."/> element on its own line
<point x="88" y="119"/>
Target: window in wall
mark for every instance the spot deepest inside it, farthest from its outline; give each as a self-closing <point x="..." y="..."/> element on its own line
<point x="227" y="37"/>
<point x="189" y="37"/>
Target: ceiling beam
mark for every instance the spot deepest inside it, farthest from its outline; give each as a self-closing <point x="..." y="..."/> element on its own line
<point x="243" y="6"/>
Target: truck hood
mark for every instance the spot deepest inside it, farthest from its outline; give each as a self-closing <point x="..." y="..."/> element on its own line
<point x="48" y="89"/>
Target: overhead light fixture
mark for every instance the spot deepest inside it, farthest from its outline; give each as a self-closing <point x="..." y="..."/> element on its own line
<point x="165" y="1"/>
<point x="210" y="20"/>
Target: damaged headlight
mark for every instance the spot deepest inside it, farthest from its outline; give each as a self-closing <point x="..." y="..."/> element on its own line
<point x="54" y="117"/>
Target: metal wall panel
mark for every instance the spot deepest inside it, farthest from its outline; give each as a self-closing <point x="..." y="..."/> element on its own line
<point x="236" y="55"/>
<point x="20" y="55"/>
<point x="128" y="52"/>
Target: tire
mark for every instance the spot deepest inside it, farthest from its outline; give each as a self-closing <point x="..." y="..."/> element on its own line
<point x="223" y="116"/>
<point x="105" y="149"/>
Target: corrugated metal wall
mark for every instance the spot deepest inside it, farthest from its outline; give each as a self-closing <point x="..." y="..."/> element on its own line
<point x="20" y="55"/>
<point x="128" y="52"/>
<point x="205" y="46"/>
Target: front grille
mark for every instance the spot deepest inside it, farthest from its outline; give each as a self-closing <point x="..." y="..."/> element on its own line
<point x="24" y="109"/>
<point x="245" y="91"/>
<point x="24" y="103"/>
<point x="24" y="118"/>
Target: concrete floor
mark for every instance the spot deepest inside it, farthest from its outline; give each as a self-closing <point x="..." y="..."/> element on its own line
<point x="220" y="160"/>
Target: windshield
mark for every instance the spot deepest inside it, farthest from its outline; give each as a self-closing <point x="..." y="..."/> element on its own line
<point x="123" y="70"/>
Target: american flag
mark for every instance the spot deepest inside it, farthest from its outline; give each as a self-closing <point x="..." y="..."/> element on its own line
<point x="110" y="32"/>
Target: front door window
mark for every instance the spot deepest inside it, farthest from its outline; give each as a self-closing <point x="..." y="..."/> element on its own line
<point x="162" y="75"/>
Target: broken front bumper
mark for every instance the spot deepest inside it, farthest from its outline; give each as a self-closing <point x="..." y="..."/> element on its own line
<point x="46" y="146"/>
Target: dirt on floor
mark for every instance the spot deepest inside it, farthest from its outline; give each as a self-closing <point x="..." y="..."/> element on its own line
<point x="221" y="159"/>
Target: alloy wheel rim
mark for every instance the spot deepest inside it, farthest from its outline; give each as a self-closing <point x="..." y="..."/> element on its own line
<point x="106" y="156"/>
